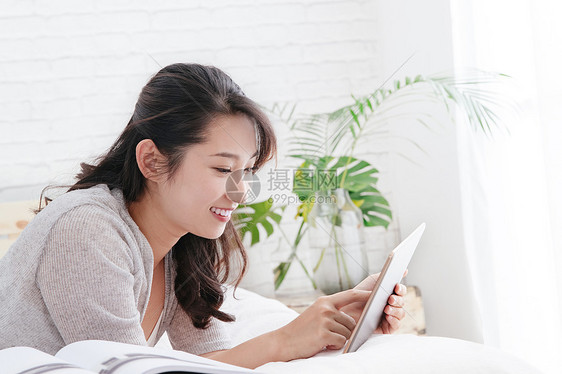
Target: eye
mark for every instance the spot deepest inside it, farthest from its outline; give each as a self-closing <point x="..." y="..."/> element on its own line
<point x="224" y="171"/>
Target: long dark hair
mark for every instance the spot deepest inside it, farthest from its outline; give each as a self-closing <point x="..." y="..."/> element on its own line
<point x="174" y="110"/>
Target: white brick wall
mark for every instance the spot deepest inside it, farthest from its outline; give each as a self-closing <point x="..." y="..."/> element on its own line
<point x="70" y="72"/>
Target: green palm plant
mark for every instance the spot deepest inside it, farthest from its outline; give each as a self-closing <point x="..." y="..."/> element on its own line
<point x="325" y="145"/>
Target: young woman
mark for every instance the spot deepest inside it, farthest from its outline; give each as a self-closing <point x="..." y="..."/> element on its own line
<point x="142" y="243"/>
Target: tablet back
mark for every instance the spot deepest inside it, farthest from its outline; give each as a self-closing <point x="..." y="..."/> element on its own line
<point x="391" y="274"/>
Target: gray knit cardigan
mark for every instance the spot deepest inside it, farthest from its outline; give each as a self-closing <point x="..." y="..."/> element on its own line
<point x="82" y="270"/>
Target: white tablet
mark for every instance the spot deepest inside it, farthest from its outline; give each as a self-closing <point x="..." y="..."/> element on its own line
<point x="391" y="274"/>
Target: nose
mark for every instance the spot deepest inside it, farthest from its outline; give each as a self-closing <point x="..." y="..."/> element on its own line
<point x="237" y="188"/>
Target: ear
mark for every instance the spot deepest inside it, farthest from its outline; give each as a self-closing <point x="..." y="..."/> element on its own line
<point x="150" y="160"/>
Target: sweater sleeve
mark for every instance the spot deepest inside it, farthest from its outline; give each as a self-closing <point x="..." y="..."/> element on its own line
<point x="184" y="336"/>
<point x="86" y="278"/>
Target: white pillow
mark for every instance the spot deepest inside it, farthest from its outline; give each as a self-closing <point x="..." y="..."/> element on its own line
<point x="255" y="314"/>
<point x="387" y="354"/>
<point x="408" y="354"/>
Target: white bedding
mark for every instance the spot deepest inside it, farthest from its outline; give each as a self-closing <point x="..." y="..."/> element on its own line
<point x="256" y="315"/>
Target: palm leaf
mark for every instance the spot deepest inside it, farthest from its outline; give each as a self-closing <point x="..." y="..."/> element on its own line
<point x="357" y="176"/>
<point x="474" y="93"/>
<point x="375" y="208"/>
<point x="251" y="217"/>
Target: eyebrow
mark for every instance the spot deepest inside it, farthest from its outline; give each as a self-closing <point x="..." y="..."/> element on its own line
<point x="231" y="155"/>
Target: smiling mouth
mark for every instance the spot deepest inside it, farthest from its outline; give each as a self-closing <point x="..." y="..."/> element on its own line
<point x="221" y="212"/>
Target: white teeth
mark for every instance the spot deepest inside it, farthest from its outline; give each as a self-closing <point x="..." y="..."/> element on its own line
<point x="222" y="212"/>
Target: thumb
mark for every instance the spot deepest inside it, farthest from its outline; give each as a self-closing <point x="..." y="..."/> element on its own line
<point x="343" y="298"/>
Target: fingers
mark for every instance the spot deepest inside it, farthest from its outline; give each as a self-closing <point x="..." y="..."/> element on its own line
<point x="368" y="283"/>
<point x="340" y="329"/>
<point x="343" y="298"/>
<point x="337" y="341"/>
<point x="334" y="319"/>
<point x="396" y="300"/>
<point x="392" y="320"/>
<point x="335" y="326"/>
<point x="345" y="320"/>
<point x="395" y="312"/>
<point x="400" y="289"/>
<point x="393" y="324"/>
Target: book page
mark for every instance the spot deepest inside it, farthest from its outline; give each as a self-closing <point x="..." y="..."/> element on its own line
<point x="121" y="358"/>
<point x="27" y="360"/>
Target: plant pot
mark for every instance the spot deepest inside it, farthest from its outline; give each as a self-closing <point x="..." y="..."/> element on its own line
<point x="336" y="242"/>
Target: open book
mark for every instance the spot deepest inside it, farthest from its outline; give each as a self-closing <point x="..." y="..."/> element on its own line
<point x="104" y="357"/>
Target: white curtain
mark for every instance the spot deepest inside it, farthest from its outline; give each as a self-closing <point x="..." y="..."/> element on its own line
<point x="511" y="184"/>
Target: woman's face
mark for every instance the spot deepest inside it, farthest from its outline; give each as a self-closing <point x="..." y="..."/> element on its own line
<point x="195" y="198"/>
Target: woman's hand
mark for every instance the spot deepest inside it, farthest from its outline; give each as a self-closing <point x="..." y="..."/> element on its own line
<point x="394" y="311"/>
<point x="327" y="323"/>
<point x="322" y="325"/>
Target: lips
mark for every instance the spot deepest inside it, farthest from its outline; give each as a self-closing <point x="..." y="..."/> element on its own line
<point x="222" y="211"/>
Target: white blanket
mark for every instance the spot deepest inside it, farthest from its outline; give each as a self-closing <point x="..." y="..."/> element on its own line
<point x="256" y="315"/>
